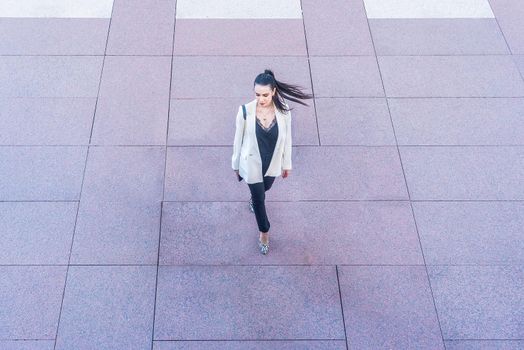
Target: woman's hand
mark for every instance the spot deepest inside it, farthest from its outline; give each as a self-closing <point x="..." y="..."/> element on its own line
<point x="286" y="173"/>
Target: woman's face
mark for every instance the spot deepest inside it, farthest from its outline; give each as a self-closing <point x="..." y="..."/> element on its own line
<point x="264" y="94"/>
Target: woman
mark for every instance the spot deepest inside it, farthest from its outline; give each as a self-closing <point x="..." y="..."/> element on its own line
<point x="262" y="146"/>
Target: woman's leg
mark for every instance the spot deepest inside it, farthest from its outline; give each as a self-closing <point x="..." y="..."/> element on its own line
<point x="268" y="182"/>
<point x="258" y="195"/>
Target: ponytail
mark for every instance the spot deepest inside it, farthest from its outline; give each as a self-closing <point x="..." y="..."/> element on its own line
<point x="283" y="92"/>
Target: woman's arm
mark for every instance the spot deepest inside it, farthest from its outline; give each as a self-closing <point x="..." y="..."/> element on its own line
<point x="237" y="144"/>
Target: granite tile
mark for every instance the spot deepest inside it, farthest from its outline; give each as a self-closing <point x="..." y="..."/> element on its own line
<point x="251" y="345"/>
<point x="50" y="76"/>
<point x="509" y="15"/>
<point x="481" y="233"/>
<point x="228" y="303"/>
<point x="458" y="121"/>
<point x="310" y="233"/>
<point x="354" y="121"/>
<point x="36" y="232"/>
<point x="234" y="9"/>
<point x="108" y="307"/>
<point x="53" y="36"/>
<point x="59" y="170"/>
<point x="142" y="27"/>
<point x="336" y="27"/>
<point x="353" y="172"/>
<point x="46" y="121"/>
<point x="211" y="122"/>
<point x="388" y="307"/>
<point x="484" y="344"/>
<point x="116" y="233"/>
<point x="450" y="76"/>
<point x="478" y="36"/>
<point x="346" y="76"/>
<point x="464" y="173"/>
<point x="229" y="37"/>
<point x="232" y="76"/>
<point x="428" y="9"/>
<point x="479" y="302"/>
<point x="30" y="298"/>
<point x="134" y="101"/>
<point x="27" y="344"/>
<point x="124" y="174"/>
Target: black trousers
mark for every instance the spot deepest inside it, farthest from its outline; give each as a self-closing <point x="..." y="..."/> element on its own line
<point x="258" y="195"/>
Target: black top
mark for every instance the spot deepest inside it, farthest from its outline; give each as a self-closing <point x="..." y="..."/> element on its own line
<point x="267" y="140"/>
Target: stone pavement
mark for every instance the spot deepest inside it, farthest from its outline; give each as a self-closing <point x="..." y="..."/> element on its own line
<point x="121" y="223"/>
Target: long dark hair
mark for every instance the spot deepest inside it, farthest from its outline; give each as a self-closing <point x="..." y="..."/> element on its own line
<point x="283" y="90"/>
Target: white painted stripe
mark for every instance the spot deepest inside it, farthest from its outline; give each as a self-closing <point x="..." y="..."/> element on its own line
<point x="428" y="9"/>
<point x="56" y="8"/>
<point x="238" y="9"/>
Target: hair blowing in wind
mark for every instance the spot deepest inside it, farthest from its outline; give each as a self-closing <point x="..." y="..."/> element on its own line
<point x="283" y="90"/>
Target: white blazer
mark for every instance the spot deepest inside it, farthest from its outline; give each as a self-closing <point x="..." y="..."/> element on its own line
<point x="246" y="155"/>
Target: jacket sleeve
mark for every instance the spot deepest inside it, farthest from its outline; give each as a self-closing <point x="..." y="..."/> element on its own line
<point x="239" y="131"/>
<point x="286" y="161"/>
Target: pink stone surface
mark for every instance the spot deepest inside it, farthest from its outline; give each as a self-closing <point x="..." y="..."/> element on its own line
<point x="122" y="225"/>
<point x="53" y="36"/>
<point x="389" y="307"/>
<point x="209" y="122"/>
<point x="250" y="37"/>
<point x="336" y="27"/>
<point x="308" y="233"/>
<point x="324" y="173"/>
<point x="354" y="121"/>
<point x="248" y="302"/>
<point x="346" y="76"/>
<point x="232" y="76"/>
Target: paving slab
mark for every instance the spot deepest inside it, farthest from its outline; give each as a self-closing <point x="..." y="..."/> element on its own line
<point x="30" y="301"/>
<point x="124" y="174"/>
<point x="59" y="172"/>
<point x="116" y="233"/>
<point x="50" y="76"/>
<point x="351" y="233"/>
<point x="480" y="233"/>
<point x="107" y="307"/>
<point x="346" y="76"/>
<point x="509" y="15"/>
<point x="56" y="8"/>
<point x="464" y="173"/>
<point x="458" y="121"/>
<point x="237" y="73"/>
<point x="53" y="36"/>
<point x="142" y="28"/>
<point x="354" y="121"/>
<point x="211" y="122"/>
<point x="46" y="121"/>
<point x="238" y="9"/>
<point x="248" y="302"/>
<point x="388" y="307"/>
<point x="519" y="61"/>
<point x="438" y="37"/>
<point x="134" y="101"/>
<point x="451" y="76"/>
<point x="354" y="173"/>
<point x="251" y="345"/>
<point x="428" y="9"/>
<point x="336" y="27"/>
<point x="484" y="344"/>
<point x="230" y="37"/>
<point x="27" y="344"/>
<point x="36" y="232"/>
<point x="479" y="302"/>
